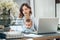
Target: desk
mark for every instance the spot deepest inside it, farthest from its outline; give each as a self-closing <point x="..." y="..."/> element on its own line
<point x="37" y="37"/>
<point x="47" y="37"/>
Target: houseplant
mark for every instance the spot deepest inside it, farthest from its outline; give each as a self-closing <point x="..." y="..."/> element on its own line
<point x="8" y="11"/>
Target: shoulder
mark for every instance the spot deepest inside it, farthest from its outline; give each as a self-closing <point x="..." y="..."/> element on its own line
<point x="32" y="17"/>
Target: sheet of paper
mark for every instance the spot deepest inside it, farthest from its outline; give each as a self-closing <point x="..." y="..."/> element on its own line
<point x="29" y="39"/>
<point x="32" y="35"/>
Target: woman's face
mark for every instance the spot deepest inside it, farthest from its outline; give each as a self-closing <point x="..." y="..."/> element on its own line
<point x="26" y="11"/>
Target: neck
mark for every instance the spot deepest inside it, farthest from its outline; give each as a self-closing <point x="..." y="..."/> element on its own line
<point x="27" y="17"/>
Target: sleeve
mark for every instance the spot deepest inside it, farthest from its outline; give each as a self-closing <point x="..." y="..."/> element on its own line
<point x="13" y="28"/>
<point x="36" y="23"/>
<point x="19" y="21"/>
<point x="17" y="28"/>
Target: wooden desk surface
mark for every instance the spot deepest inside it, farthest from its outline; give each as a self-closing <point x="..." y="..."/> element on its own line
<point x="49" y="37"/>
<point x="43" y="37"/>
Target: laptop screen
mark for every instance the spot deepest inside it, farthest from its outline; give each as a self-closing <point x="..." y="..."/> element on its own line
<point x="47" y="25"/>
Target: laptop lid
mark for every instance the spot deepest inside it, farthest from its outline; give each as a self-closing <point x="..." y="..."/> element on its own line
<point x="47" y="25"/>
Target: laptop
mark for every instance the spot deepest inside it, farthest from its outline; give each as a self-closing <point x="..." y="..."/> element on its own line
<point x="47" y="25"/>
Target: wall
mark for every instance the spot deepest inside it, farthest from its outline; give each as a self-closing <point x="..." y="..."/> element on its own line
<point x="44" y="8"/>
<point x="58" y="11"/>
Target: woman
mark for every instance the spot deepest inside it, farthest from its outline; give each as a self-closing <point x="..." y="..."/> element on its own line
<point x="26" y="13"/>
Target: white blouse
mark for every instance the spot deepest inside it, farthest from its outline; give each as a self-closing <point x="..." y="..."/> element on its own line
<point x="22" y="27"/>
